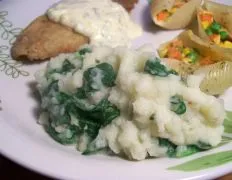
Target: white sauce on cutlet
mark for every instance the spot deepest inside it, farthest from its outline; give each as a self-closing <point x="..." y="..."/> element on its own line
<point x="103" y="21"/>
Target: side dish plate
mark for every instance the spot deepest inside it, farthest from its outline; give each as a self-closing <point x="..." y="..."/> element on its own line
<point x="25" y="142"/>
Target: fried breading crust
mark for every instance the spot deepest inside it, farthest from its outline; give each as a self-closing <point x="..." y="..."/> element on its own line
<point x="43" y="39"/>
<point x="127" y="4"/>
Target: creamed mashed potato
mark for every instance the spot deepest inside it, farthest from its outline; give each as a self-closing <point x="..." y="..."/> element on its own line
<point x="143" y="101"/>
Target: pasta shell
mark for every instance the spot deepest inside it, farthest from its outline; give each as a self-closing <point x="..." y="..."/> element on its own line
<point x="182" y="17"/>
<point x="218" y="78"/>
<point x="222" y="14"/>
<point x="183" y="69"/>
<point x="190" y="40"/>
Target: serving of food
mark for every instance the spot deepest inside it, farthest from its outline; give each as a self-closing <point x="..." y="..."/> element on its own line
<point x="70" y="24"/>
<point x="105" y="92"/>
<point x="174" y="14"/>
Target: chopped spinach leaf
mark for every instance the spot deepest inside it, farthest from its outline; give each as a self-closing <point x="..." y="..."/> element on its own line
<point x="67" y="137"/>
<point x="62" y="98"/>
<point x="84" y="51"/>
<point x="169" y="145"/>
<point x="90" y="119"/>
<point x="203" y="145"/>
<point x="105" y="112"/>
<point x="109" y="74"/>
<point x="177" y="104"/>
<point x="60" y="119"/>
<point x="182" y="151"/>
<point x="67" y="67"/>
<point x="81" y="53"/>
<point x="52" y="87"/>
<point x="96" y="77"/>
<point x="154" y="67"/>
<point x="178" y="151"/>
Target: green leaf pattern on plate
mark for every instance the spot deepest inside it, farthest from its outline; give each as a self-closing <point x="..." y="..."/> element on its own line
<point x="205" y="162"/>
<point x="228" y="122"/>
<point x="211" y="160"/>
<point x="9" y="33"/>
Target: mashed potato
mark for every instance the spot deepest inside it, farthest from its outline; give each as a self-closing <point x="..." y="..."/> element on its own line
<point x="126" y="100"/>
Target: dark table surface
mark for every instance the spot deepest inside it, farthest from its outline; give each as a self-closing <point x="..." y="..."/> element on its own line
<point x="11" y="171"/>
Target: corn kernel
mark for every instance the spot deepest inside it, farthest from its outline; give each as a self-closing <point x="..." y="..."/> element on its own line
<point x="227" y="44"/>
<point x="186" y="51"/>
<point x="187" y="60"/>
<point x="173" y="10"/>
<point x="163" y="52"/>
<point x="205" y="24"/>
<point x="217" y="39"/>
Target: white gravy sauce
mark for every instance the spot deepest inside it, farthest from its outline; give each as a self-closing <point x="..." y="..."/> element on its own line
<point x="103" y="21"/>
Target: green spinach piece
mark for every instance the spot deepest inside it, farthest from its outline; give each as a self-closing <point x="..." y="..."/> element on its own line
<point x="109" y="74"/>
<point x="171" y="148"/>
<point x="52" y="87"/>
<point x="67" y="66"/>
<point x="182" y="151"/>
<point x="90" y="120"/>
<point x="177" y="104"/>
<point x="154" y="67"/>
<point x="94" y="147"/>
<point x="203" y="145"/>
<point x="69" y="135"/>
<point x="178" y="151"/>
<point x="86" y="125"/>
<point x="96" y="77"/>
<point x="105" y="112"/>
<point x="81" y="53"/>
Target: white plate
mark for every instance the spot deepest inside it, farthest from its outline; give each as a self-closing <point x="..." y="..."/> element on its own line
<point x="25" y="142"/>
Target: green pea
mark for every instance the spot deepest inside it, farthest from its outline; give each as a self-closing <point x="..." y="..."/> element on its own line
<point x="177" y="104"/>
<point x="193" y="55"/>
<point x="224" y="35"/>
<point x="209" y="31"/>
<point x="215" y="27"/>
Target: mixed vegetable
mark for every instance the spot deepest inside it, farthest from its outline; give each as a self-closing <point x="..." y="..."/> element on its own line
<point x="216" y="32"/>
<point x="177" y="50"/>
<point x="165" y="14"/>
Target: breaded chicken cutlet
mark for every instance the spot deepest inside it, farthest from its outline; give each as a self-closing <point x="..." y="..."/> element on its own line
<point x="43" y="38"/>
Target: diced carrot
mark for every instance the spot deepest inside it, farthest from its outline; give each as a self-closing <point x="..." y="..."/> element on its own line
<point x="174" y="53"/>
<point x="215" y="38"/>
<point x="162" y="16"/>
<point x="206" y="61"/>
<point x="206" y="17"/>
